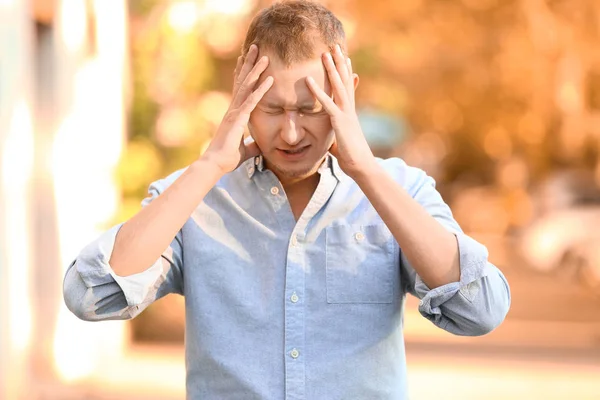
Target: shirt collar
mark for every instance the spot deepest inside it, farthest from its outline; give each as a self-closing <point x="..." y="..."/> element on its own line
<point x="258" y="164"/>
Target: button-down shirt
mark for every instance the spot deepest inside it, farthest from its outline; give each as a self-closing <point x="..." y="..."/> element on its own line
<point x="284" y="309"/>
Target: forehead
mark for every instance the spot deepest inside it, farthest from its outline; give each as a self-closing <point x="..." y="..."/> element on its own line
<point x="289" y="85"/>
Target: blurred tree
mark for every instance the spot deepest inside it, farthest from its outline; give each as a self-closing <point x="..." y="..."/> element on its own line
<point x="499" y="94"/>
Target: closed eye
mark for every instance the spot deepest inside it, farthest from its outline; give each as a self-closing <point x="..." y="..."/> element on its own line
<point x="313" y="111"/>
<point x="273" y="111"/>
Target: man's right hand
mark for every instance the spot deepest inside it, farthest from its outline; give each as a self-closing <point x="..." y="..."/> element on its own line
<point x="227" y="149"/>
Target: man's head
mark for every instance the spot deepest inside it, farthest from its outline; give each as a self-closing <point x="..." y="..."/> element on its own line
<point x="290" y="127"/>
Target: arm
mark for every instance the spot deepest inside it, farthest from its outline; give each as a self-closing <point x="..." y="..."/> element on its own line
<point x="127" y="268"/>
<point x="460" y="290"/>
<point x="143" y="238"/>
<point x="93" y="292"/>
<point x="431" y="249"/>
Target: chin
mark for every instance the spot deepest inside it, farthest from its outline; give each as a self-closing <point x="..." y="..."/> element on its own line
<point x="298" y="171"/>
<point x="295" y="171"/>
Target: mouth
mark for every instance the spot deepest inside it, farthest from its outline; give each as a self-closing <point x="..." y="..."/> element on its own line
<point x="294" y="153"/>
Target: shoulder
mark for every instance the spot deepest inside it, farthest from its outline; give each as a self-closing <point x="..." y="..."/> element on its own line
<point x="162" y="184"/>
<point x="412" y="179"/>
<point x="227" y="181"/>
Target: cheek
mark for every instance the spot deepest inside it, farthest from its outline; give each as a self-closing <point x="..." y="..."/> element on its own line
<point x="262" y="127"/>
<point x="319" y="126"/>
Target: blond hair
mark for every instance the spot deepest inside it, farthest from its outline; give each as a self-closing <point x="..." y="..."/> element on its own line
<point x="293" y="29"/>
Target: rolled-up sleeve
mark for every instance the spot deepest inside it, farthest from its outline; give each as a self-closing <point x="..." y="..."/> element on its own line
<point x="480" y="300"/>
<point x="93" y="291"/>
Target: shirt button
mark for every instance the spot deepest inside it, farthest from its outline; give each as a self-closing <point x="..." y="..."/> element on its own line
<point x="359" y="236"/>
<point x="250" y="170"/>
<point x="294" y="353"/>
<point x="274" y="190"/>
<point x="294" y="241"/>
<point x="294" y="298"/>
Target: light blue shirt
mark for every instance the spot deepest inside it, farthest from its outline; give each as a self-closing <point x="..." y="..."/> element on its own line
<point x="284" y="309"/>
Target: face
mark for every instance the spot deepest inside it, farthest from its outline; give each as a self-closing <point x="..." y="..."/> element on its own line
<point x="290" y="127"/>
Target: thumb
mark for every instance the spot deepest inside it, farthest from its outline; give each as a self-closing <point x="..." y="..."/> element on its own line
<point x="251" y="148"/>
<point x="334" y="148"/>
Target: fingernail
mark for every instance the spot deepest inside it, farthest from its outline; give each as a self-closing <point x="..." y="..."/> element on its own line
<point x="329" y="56"/>
<point x="339" y="49"/>
<point x="349" y="61"/>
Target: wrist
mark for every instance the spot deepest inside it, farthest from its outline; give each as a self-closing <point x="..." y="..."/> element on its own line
<point x="206" y="167"/>
<point x="363" y="171"/>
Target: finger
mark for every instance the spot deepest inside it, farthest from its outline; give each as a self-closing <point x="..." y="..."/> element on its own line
<point x="249" y="83"/>
<point x="253" y="99"/>
<point x="350" y="72"/>
<point x="339" y="90"/>
<point x="236" y="73"/>
<point x="341" y="64"/>
<point x="350" y="81"/>
<point x="323" y="98"/>
<point x="238" y="66"/>
<point x="246" y="67"/>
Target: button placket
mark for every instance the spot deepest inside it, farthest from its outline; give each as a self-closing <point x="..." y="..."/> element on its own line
<point x="294" y="313"/>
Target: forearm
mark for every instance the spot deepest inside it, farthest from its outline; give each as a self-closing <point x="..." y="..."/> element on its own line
<point x="429" y="247"/>
<point x="143" y="238"/>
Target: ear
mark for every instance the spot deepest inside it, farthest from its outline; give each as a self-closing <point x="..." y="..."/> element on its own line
<point x="356" y="80"/>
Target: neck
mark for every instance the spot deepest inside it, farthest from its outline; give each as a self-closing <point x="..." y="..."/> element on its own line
<point x="307" y="184"/>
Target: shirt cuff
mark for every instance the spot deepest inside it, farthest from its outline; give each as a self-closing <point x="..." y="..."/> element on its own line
<point x="94" y="269"/>
<point x="473" y="258"/>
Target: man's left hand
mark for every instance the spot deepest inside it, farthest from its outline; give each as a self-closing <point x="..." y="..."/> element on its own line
<point x="350" y="146"/>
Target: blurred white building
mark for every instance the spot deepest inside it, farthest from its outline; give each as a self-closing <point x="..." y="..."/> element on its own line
<point x="62" y="104"/>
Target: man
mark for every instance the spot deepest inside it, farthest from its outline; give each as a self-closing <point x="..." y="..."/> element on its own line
<point x="294" y="252"/>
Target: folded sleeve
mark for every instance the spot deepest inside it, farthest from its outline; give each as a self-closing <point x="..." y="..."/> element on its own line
<point x="92" y="290"/>
<point x="480" y="300"/>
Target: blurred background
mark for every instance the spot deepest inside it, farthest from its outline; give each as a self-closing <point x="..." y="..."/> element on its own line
<point x="498" y="100"/>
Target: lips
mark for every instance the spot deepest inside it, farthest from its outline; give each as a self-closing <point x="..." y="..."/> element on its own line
<point x="293" y="154"/>
<point x="295" y="151"/>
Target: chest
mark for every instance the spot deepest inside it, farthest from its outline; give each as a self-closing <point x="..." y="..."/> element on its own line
<point x="337" y="253"/>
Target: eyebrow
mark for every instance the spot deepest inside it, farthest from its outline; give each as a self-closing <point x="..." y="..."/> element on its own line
<point x="300" y="106"/>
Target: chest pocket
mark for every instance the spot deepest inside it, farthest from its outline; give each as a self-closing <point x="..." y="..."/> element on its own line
<point x="360" y="264"/>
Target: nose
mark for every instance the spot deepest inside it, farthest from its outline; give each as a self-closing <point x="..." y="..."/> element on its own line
<point x="291" y="132"/>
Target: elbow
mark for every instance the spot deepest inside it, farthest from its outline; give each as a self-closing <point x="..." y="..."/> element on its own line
<point x="77" y="306"/>
<point x="84" y="305"/>
<point x="78" y="298"/>
<point x="487" y="323"/>
<point x="489" y="318"/>
<point x="481" y="319"/>
<point x="492" y="307"/>
<point x="75" y="295"/>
